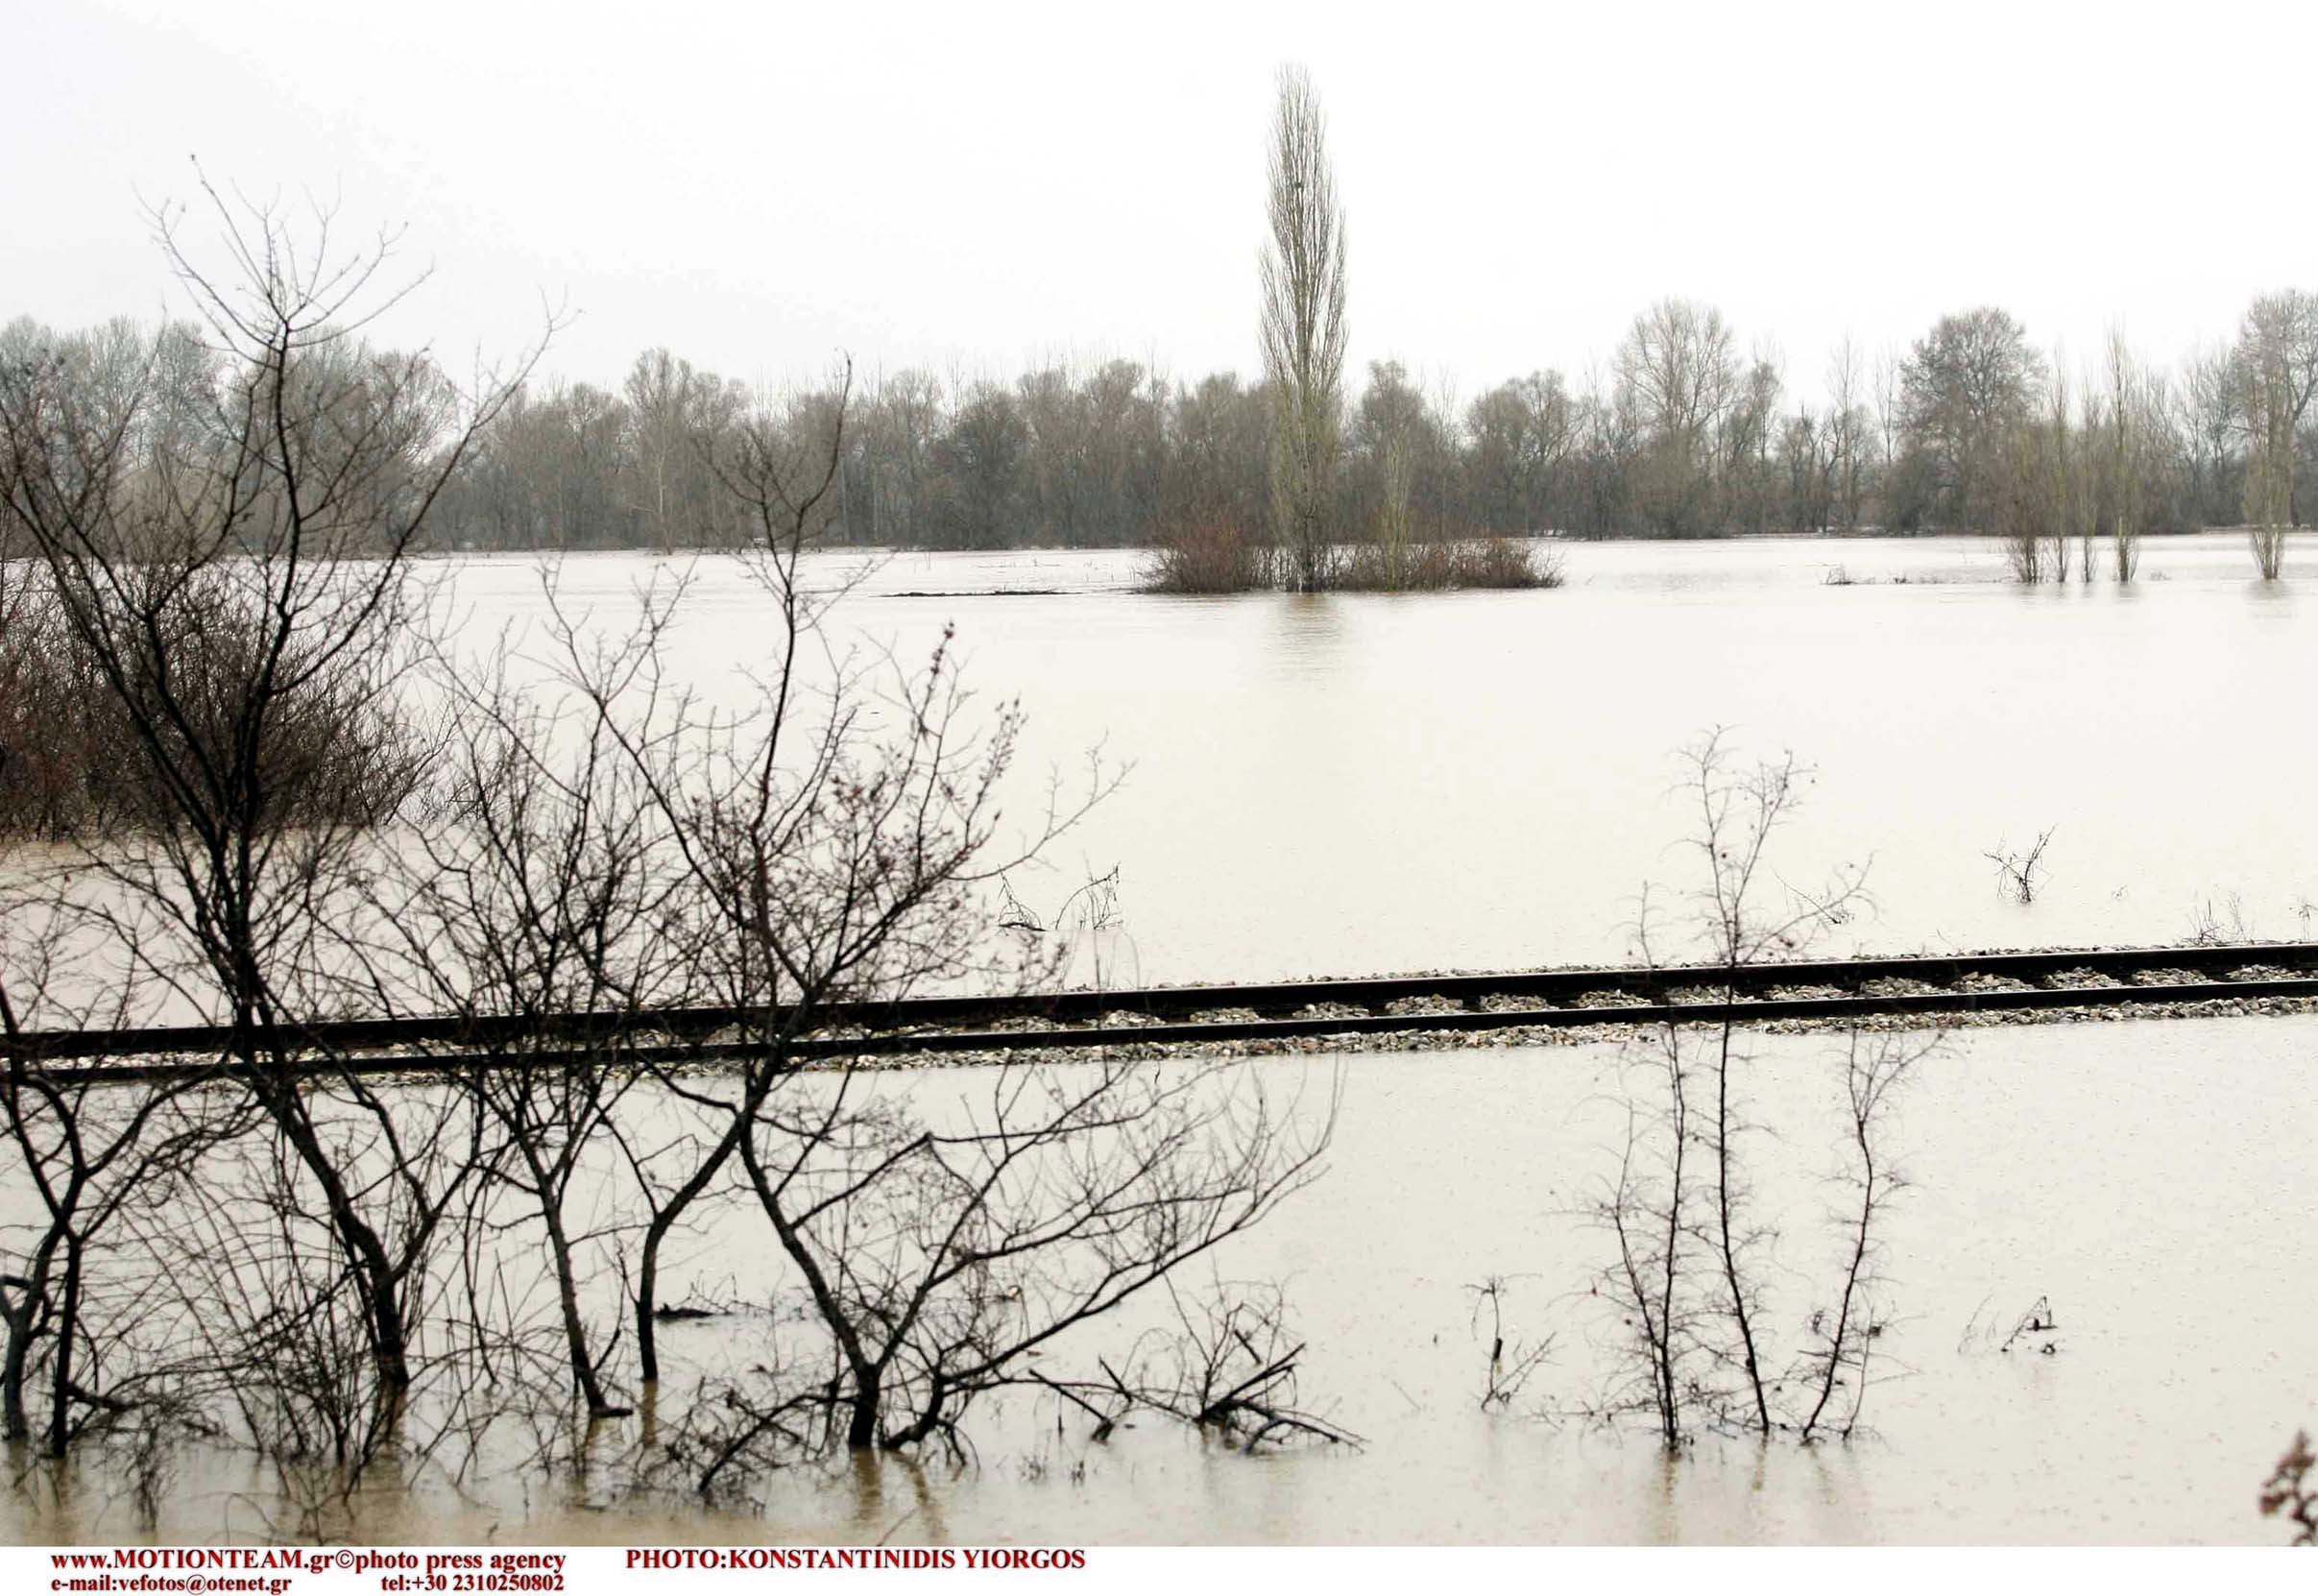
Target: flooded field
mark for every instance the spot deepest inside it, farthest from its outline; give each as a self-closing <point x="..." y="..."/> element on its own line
<point x="1351" y="784"/>
<point x="1044" y="797"/>
<point x="2151" y="1181"/>
<point x="1348" y="784"/>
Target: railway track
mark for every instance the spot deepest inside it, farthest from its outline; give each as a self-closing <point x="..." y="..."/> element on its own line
<point x="1817" y="989"/>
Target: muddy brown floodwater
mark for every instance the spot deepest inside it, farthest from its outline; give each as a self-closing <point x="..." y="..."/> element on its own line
<point x="1356" y="784"/>
<point x="2154" y="1182"/>
<point x="1351" y="784"/>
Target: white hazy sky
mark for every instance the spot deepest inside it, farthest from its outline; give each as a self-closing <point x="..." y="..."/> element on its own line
<point x="975" y="187"/>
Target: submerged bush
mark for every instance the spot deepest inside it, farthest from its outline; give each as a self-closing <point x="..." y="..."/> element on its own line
<point x="73" y="764"/>
<point x="1213" y="556"/>
<point x="1494" y="562"/>
<point x="1205" y="554"/>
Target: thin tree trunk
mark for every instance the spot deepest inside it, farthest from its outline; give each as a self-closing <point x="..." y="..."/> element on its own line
<point x="1850" y="1287"/>
<point x="68" y="1323"/>
<point x="575" y="1330"/>
<point x="663" y="1220"/>
<point x="1722" y="1190"/>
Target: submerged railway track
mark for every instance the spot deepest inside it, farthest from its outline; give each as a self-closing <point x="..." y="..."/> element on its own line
<point x="1256" y="1014"/>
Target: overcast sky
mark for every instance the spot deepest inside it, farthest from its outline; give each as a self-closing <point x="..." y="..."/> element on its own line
<point x="976" y="187"/>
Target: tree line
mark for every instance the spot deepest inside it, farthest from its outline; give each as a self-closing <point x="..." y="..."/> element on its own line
<point x="1972" y="429"/>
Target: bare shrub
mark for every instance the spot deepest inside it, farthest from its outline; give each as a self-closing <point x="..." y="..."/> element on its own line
<point x="2221" y="922"/>
<point x="1511" y="1362"/>
<point x="74" y="759"/>
<point x="1212" y="555"/>
<point x="1650" y="1212"/>
<point x="1088" y="919"/>
<point x="1440" y="564"/>
<point x="2033" y="1329"/>
<point x="1844" y="1336"/>
<point x="1739" y="811"/>
<point x="2020" y="872"/>
<point x="941" y="1253"/>
<point x="542" y="895"/>
<point x="55" y="765"/>
<point x="2268" y="544"/>
<point x="1204" y="554"/>
<point x="1225" y="1365"/>
<point x="2026" y="513"/>
<point x="1690" y="1255"/>
<point x="1507" y="562"/>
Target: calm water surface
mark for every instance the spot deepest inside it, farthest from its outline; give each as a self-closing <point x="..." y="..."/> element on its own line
<point x="1348" y="784"/>
<point x="2154" y="1182"/>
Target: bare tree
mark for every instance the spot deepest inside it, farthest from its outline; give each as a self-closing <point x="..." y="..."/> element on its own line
<point x="841" y="842"/>
<point x="2128" y="446"/>
<point x="547" y="891"/>
<point x="1522" y="437"/>
<point x="835" y="843"/>
<point x="1678" y="366"/>
<point x="675" y="415"/>
<point x="852" y="855"/>
<point x="1849" y="426"/>
<point x="1965" y="385"/>
<point x="1890" y="421"/>
<point x="2085" y="476"/>
<point x="2277" y="367"/>
<point x="244" y="576"/>
<point x="2061" y="489"/>
<point x="2278" y="348"/>
<point x="2024" y="506"/>
<point x="1392" y="510"/>
<point x="940" y="1254"/>
<point x="2207" y="419"/>
<point x="1303" y="331"/>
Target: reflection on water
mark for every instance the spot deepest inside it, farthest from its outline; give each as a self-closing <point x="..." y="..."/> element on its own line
<point x="1309" y="636"/>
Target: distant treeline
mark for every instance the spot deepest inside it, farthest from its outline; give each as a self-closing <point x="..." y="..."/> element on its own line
<point x="1683" y="435"/>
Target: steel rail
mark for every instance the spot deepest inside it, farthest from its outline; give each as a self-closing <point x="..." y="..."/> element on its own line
<point x="1272" y="999"/>
<point x="640" y="1043"/>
